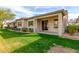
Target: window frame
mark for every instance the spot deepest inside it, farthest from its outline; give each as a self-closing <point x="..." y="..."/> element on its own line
<point x="19" y="23"/>
<point x="55" y="23"/>
<point x="30" y="23"/>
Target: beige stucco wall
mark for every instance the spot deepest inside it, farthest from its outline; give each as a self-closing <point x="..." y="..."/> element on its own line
<point x="11" y="25"/>
<point x="24" y="24"/>
<point x="50" y="24"/>
<point x="30" y="26"/>
<point x="62" y="21"/>
<point x="60" y="24"/>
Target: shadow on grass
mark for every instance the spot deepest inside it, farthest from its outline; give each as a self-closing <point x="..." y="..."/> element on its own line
<point x="10" y="34"/>
<point x="40" y="46"/>
<point x="46" y="42"/>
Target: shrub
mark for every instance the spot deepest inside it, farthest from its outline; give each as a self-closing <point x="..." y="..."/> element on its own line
<point x="24" y="29"/>
<point x="17" y="29"/>
<point x="78" y="28"/>
<point x="72" y="29"/>
<point x="30" y="29"/>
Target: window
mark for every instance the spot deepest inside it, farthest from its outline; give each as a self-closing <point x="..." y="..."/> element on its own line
<point x="45" y="25"/>
<point x="19" y="23"/>
<point x="30" y="23"/>
<point x="56" y="23"/>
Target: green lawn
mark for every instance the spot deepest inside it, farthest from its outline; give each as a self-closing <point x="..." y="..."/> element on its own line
<point x="11" y="41"/>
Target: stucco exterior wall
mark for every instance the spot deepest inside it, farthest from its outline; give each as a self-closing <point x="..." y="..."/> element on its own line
<point x="60" y="24"/>
<point x="11" y="25"/>
<point x="30" y="26"/>
<point x="62" y="21"/>
<point x="33" y="26"/>
<point x="24" y="24"/>
<point x="50" y="24"/>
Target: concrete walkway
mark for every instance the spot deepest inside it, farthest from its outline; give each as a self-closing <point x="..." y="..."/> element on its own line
<point x="61" y="49"/>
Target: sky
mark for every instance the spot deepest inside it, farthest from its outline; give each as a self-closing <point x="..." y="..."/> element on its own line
<point x="29" y="11"/>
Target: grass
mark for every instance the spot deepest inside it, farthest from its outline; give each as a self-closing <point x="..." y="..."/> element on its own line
<point x="11" y="41"/>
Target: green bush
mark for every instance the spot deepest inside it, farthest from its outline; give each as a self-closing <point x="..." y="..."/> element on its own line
<point x="78" y="28"/>
<point x="24" y="29"/>
<point x="30" y="29"/>
<point x="17" y="29"/>
<point x="72" y="29"/>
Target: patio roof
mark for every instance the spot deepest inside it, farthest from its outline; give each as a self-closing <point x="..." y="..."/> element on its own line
<point x="54" y="12"/>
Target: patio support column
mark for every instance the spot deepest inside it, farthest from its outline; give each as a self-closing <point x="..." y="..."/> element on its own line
<point x="60" y="24"/>
<point x="22" y="23"/>
<point x="35" y="25"/>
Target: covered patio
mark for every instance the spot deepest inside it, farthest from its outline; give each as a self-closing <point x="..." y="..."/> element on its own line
<point x="50" y="24"/>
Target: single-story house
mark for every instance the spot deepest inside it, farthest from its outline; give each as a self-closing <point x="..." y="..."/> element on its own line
<point x="12" y="25"/>
<point x="9" y="24"/>
<point x="53" y="22"/>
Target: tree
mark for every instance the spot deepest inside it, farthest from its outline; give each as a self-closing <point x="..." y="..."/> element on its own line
<point x="6" y="14"/>
<point x="1" y="24"/>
